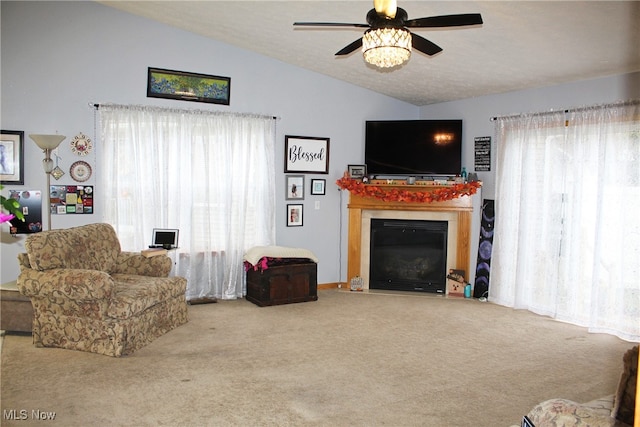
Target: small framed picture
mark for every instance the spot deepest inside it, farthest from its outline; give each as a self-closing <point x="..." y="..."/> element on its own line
<point x="295" y="187"/>
<point x="357" y="171"/>
<point x="294" y="215"/>
<point x="318" y="187"/>
<point x="12" y="157"/>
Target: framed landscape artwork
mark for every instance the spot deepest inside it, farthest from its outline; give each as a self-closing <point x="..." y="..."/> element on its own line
<point x="185" y="86"/>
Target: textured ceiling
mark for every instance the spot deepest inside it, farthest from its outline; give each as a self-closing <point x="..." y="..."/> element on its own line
<point x="522" y="44"/>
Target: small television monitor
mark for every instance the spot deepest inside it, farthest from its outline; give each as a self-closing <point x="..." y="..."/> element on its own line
<point x="413" y="147"/>
<point x="166" y="238"/>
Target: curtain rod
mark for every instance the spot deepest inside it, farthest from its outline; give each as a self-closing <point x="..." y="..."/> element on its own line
<point x="544" y="113"/>
<point x="97" y="107"/>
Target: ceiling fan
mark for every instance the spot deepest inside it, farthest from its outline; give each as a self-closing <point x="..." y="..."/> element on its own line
<point x="387" y="42"/>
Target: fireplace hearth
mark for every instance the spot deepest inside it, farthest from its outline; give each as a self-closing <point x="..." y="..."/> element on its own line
<point x="408" y="255"/>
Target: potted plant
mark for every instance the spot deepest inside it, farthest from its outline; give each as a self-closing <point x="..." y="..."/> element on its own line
<point x="11" y="206"/>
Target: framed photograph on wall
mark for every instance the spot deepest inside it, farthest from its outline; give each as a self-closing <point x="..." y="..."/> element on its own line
<point x="306" y="154"/>
<point x="357" y="171"/>
<point x="185" y="86"/>
<point x="295" y="187"/>
<point x="12" y="157"/>
<point x="294" y="215"/>
<point x="318" y="187"/>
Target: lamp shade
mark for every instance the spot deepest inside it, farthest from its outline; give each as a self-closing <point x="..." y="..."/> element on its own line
<point x="47" y="142"/>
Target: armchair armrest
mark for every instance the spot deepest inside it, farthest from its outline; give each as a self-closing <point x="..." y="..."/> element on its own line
<point x="75" y="284"/>
<point x="134" y="263"/>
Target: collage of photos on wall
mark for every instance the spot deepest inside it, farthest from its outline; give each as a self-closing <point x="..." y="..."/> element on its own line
<point x="71" y="199"/>
<point x="295" y="190"/>
<point x="304" y="155"/>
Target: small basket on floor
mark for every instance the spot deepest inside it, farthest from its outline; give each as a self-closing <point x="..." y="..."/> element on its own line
<point x="357" y="284"/>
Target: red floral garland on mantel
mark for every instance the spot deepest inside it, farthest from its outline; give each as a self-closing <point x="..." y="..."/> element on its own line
<point x="396" y="194"/>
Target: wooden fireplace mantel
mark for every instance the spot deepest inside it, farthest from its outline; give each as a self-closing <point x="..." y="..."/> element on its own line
<point x="462" y="206"/>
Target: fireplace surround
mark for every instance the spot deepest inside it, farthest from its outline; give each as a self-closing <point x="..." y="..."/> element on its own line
<point x="455" y="212"/>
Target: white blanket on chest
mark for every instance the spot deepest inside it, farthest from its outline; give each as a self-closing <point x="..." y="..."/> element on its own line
<point x="255" y="254"/>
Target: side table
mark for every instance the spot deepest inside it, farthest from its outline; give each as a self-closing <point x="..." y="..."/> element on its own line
<point x="16" y="311"/>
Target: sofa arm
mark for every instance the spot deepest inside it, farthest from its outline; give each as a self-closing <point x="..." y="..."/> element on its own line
<point x="134" y="263"/>
<point x="74" y="284"/>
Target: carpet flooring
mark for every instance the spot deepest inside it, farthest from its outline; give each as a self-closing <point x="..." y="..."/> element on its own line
<point x="348" y="359"/>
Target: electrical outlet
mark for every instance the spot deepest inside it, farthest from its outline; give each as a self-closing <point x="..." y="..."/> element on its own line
<point x="317" y="204"/>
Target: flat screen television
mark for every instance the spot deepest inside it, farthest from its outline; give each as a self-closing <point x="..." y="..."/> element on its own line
<point x="413" y="147"/>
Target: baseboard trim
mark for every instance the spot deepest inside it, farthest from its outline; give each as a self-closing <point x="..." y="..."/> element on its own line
<point x="335" y="285"/>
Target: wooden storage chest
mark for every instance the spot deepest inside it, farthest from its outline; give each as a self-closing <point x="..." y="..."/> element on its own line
<point x="283" y="284"/>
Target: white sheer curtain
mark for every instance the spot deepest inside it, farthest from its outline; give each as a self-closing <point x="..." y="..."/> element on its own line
<point x="208" y="174"/>
<point x="567" y="230"/>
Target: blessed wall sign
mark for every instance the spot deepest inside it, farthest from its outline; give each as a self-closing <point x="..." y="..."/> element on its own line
<point x="305" y="154"/>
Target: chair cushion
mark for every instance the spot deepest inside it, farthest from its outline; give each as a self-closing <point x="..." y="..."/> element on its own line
<point x="134" y="294"/>
<point x="91" y="247"/>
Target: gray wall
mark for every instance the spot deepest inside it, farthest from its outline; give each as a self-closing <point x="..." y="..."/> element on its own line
<point x="59" y="56"/>
<point x="477" y="112"/>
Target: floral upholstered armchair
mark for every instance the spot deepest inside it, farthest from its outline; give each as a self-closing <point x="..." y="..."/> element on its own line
<point x="616" y="410"/>
<point x="88" y="295"/>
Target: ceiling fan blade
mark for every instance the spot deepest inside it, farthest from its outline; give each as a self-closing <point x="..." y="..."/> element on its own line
<point x="386" y="8"/>
<point x="445" y="21"/>
<point x="330" y="24"/>
<point x="350" y="48"/>
<point x="424" y="45"/>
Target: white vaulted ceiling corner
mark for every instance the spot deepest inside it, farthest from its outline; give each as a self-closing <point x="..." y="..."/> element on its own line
<point x="522" y="44"/>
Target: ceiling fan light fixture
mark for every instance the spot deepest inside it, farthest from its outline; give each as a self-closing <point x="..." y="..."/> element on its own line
<point x="386" y="47"/>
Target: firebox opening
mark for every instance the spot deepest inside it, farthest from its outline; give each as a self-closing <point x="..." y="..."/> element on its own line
<point x="408" y="255"/>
